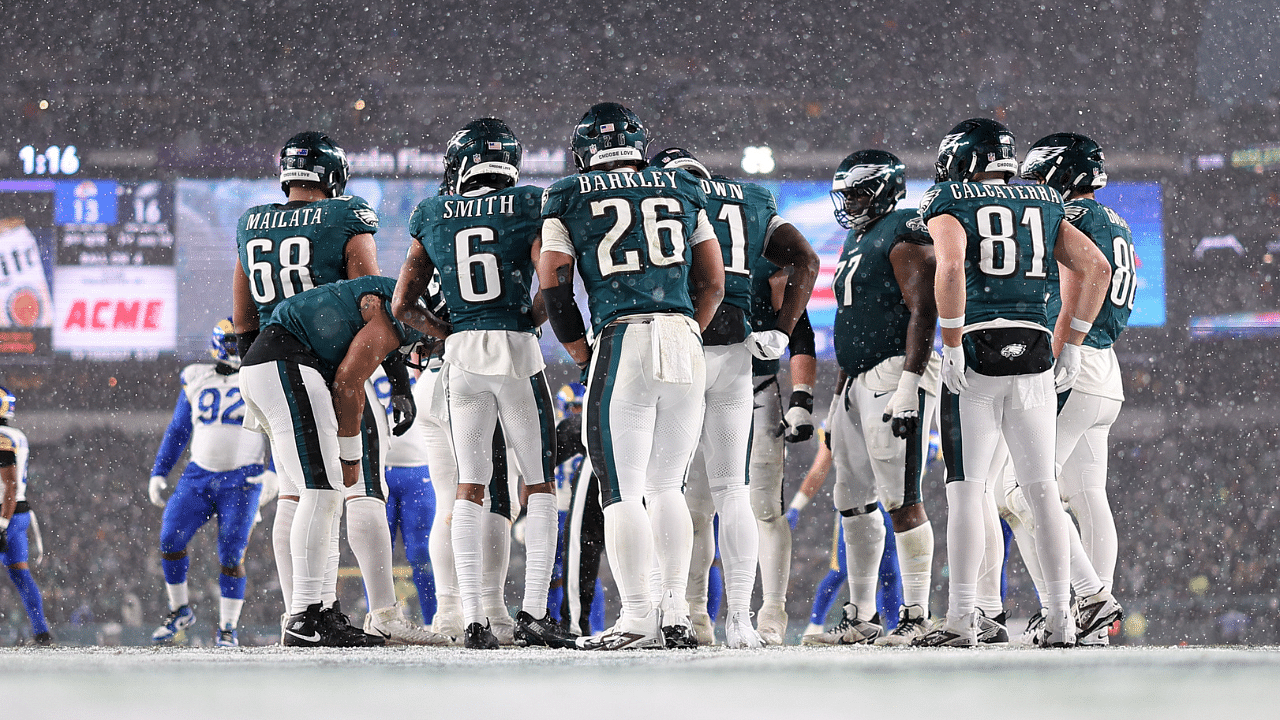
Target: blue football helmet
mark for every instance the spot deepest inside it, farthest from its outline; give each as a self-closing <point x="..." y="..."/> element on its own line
<point x="7" y="401"/>
<point x="570" y="397"/>
<point x="222" y="343"/>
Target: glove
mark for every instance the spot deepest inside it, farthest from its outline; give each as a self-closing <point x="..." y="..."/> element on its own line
<point x="953" y="369"/>
<point x="793" y="517"/>
<point x="270" y="483"/>
<point x="403" y="411"/>
<point x="4" y="540"/>
<point x="157" y="485"/>
<point x="797" y="424"/>
<point x="767" y="344"/>
<point x="903" y="409"/>
<point x="1067" y="368"/>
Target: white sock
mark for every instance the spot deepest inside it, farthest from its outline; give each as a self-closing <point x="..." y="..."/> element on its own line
<point x="1026" y="541"/>
<point x="739" y="545"/>
<point x="1097" y="531"/>
<point x="285" y="510"/>
<point x="441" y="548"/>
<point x="672" y="531"/>
<point x="775" y="558"/>
<point x="863" y="548"/>
<point x="1084" y="579"/>
<point x="329" y="593"/>
<point x="309" y="543"/>
<point x="370" y="541"/>
<point x="229" y="612"/>
<point x="178" y="595"/>
<point x="1052" y="544"/>
<point x="991" y="571"/>
<point x="495" y="534"/>
<point x="629" y="545"/>
<point x="467" y="558"/>
<point x="540" y="534"/>
<point x="915" y="563"/>
<point x="966" y="543"/>
<point x="704" y="554"/>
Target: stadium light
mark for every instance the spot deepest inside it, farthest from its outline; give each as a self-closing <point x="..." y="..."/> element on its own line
<point x="758" y="160"/>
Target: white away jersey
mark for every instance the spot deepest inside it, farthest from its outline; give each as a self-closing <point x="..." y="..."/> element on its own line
<point x="410" y="449"/>
<point x="13" y="439"/>
<point x="219" y="442"/>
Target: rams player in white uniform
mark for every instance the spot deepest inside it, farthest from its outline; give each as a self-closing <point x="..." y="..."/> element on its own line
<point x="16" y="518"/>
<point x="226" y="478"/>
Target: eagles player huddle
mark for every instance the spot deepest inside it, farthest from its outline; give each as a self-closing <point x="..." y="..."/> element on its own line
<point x="695" y="288"/>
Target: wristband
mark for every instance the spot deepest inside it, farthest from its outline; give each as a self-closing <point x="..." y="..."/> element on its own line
<point x="350" y="449"/>
<point x="799" y="501"/>
<point x="951" y="323"/>
<point x="1080" y="325"/>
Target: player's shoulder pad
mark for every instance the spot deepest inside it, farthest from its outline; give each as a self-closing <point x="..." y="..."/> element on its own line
<point x="758" y="194"/>
<point x="424" y="213"/>
<point x="193" y="374"/>
<point x="933" y="202"/>
<point x="528" y="199"/>
<point x="557" y="196"/>
<point x="1076" y="212"/>
<point x="360" y="211"/>
<point x="911" y="227"/>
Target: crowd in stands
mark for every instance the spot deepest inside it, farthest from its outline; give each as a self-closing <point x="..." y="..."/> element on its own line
<point x="225" y="74"/>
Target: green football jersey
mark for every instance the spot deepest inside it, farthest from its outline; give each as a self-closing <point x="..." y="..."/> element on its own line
<point x="764" y="316"/>
<point x="741" y="214"/>
<point x="1011" y="233"/>
<point x="326" y="319"/>
<point x="630" y="233"/>
<point x="289" y="249"/>
<point x="1111" y="234"/>
<point x="481" y="246"/>
<point x="871" y="316"/>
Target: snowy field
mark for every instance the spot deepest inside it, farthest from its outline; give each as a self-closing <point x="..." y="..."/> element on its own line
<point x="522" y="684"/>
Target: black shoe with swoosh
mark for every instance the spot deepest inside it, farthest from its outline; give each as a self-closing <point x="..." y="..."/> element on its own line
<point x="304" y="629"/>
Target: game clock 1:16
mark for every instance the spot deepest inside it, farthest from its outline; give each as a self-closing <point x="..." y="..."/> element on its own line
<point x="54" y="160"/>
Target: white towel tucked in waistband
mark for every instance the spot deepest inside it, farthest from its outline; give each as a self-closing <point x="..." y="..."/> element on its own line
<point x="675" y="348"/>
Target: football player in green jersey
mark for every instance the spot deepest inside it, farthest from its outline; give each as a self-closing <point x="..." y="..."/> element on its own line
<point x="484" y="240"/>
<point x="318" y="236"/>
<point x="993" y="243"/>
<point x="886" y="394"/>
<point x="772" y="428"/>
<point x="304" y="378"/>
<point x="1072" y="164"/>
<point x="638" y="238"/>
<point x="746" y="221"/>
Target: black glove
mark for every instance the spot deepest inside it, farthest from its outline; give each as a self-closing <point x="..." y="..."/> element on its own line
<point x="403" y="411"/>
<point x="4" y="540"/>
<point x="798" y="422"/>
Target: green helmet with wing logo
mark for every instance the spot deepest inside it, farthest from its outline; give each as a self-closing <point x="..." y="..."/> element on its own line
<point x="974" y="146"/>
<point x="866" y="187"/>
<point x="313" y="157"/>
<point x="608" y="133"/>
<point x="1066" y="162"/>
<point x="483" y="152"/>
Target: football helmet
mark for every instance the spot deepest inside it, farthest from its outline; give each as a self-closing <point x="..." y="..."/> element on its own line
<point x="1066" y="162"/>
<point x="680" y="158"/>
<point x="313" y="157"/>
<point x="974" y="146"/>
<point x="222" y="343"/>
<point x="866" y="187"/>
<point x="484" y="148"/>
<point x="569" y="396"/>
<point x="608" y="133"/>
<point x="7" y="401"/>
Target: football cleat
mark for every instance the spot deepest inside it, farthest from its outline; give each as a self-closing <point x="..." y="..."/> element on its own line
<point x="703" y="629"/>
<point x="390" y="624"/>
<point x="739" y="634"/>
<point x="1097" y="612"/>
<point x="912" y="623"/>
<point x="1098" y="638"/>
<point x="174" y="627"/>
<point x="339" y="632"/>
<point x="1034" y="634"/>
<point x="226" y="637"/>
<point x="992" y="631"/>
<point x="449" y="624"/>
<point x="1059" y="630"/>
<point x="849" y="631"/>
<point x="771" y="623"/>
<point x="545" y="632"/>
<point x="306" y="629"/>
<point x="43" y="639"/>
<point x="642" y="634"/>
<point x="502" y="627"/>
<point x="479" y="637"/>
<point x="961" y="632"/>
<point x="676" y="628"/>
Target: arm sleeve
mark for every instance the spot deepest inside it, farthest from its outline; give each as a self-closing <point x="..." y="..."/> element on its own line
<point x="8" y="453"/>
<point x="802" y="341"/>
<point x="176" y="437"/>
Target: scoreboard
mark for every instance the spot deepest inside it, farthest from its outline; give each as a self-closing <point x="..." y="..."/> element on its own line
<point x="88" y="269"/>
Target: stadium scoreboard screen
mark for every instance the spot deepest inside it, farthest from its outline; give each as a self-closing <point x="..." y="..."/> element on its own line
<point x="88" y="267"/>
